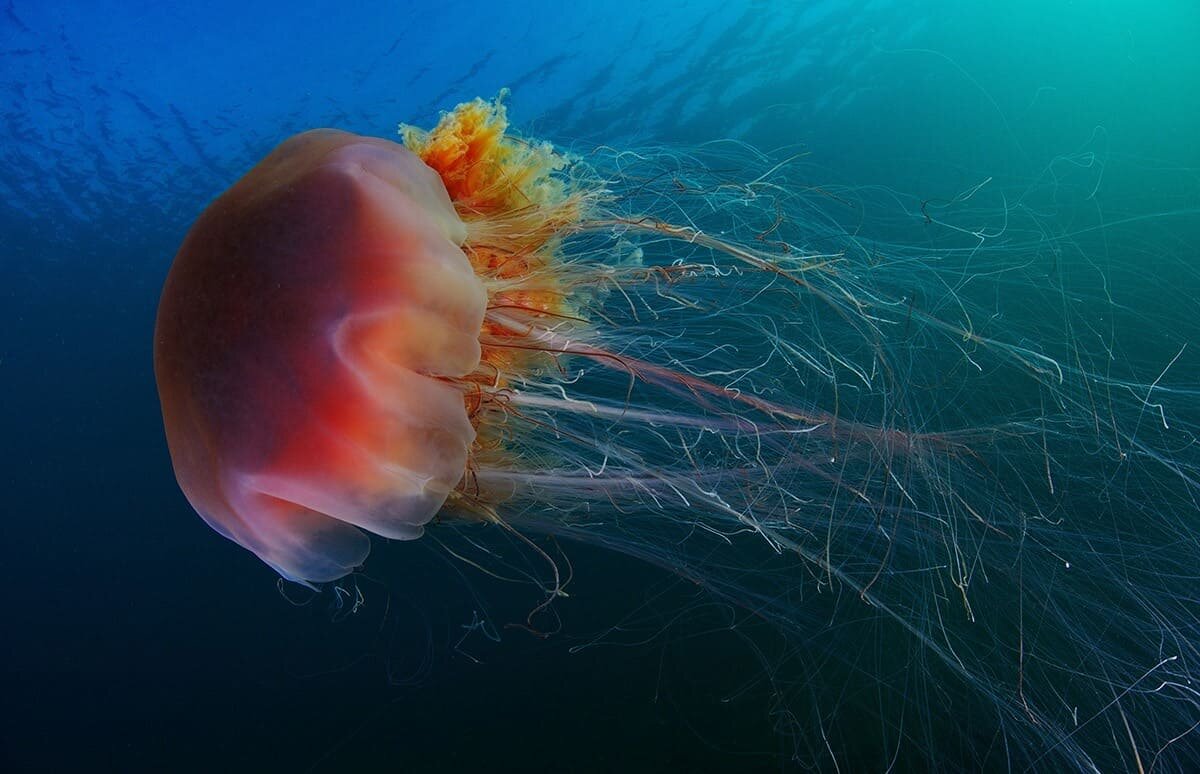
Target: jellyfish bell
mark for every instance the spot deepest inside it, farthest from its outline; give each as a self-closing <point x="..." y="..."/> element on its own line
<point x="302" y="337"/>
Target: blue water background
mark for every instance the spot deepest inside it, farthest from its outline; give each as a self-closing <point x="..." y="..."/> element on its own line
<point x="134" y="638"/>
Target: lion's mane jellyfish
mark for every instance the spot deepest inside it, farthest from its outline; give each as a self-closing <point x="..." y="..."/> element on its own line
<point x="927" y="463"/>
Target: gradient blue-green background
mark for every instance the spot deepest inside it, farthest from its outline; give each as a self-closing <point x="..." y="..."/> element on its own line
<point x="134" y="638"/>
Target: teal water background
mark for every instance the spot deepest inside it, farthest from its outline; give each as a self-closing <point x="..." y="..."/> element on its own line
<point x="136" y="639"/>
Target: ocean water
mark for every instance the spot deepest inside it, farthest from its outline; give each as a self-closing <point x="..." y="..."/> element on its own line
<point x="1045" y="154"/>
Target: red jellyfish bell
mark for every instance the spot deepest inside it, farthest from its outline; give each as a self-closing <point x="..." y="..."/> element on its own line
<point x="302" y="340"/>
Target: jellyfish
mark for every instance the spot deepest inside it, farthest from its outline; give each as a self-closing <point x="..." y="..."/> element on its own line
<point x="712" y="373"/>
